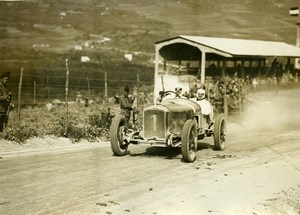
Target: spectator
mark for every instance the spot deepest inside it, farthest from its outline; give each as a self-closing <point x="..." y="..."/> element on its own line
<point x="126" y="103"/>
<point x="5" y="100"/>
<point x="78" y="97"/>
<point x="254" y="83"/>
<point x="86" y="101"/>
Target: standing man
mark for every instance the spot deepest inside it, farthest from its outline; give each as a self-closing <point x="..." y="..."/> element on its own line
<point x="126" y="105"/>
<point x="5" y="99"/>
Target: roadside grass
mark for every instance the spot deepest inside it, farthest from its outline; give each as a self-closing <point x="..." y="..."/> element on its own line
<point x="80" y="122"/>
<point x="76" y="121"/>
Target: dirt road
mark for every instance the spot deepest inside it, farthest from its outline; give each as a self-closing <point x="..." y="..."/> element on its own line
<point x="257" y="173"/>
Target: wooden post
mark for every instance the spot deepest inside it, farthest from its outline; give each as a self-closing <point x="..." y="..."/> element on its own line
<point x="19" y="95"/>
<point x="240" y="97"/>
<point x="259" y="68"/>
<point x="67" y="92"/>
<point x="203" y="64"/>
<point x="34" y="92"/>
<point x="137" y="90"/>
<point x="89" y="87"/>
<point x="225" y="101"/>
<point x="223" y="68"/>
<point x="105" y="92"/>
<point x="48" y="89"/>
<point x="243" y="69"/>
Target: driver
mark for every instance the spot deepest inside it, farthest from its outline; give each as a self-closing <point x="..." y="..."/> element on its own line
<point x="206" y="107"/>
<point x="164" y="95"/>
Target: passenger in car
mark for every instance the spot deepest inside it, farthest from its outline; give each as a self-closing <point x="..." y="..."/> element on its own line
<point x="206" y="107"/>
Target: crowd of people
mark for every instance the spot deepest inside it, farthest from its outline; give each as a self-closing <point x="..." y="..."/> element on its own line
<point x="230" y="94"/>
<point x="224" y="95"/>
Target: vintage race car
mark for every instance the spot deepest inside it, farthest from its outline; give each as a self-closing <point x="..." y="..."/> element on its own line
<point x="174" y="122"/>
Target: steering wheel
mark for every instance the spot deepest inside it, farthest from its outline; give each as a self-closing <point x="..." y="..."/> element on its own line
<point x="168" y="92"/>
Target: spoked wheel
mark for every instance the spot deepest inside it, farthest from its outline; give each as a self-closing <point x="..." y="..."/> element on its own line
<point x="118" y="146"/>
<point x="189" y="141"/>
<point x="220" y="132"/>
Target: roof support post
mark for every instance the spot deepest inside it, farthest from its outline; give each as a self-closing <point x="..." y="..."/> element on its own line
<point x="243" y="69"/>
<point x="223" y="68"/>
<point x="219" y="65"/>
<point x="288" y="64"/>
<point x="259" y="68"/>
<point x="203" y="62"/>
<point x="264" y="66"/>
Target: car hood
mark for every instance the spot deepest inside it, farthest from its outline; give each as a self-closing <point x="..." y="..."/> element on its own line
<point x="178" y="105"/>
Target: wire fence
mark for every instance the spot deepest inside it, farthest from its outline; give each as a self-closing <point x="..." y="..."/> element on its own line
<point x="42" y="89"/>
<point x="102" y="90"/>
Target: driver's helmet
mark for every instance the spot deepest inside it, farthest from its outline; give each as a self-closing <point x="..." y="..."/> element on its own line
<point x="200" y="94"/>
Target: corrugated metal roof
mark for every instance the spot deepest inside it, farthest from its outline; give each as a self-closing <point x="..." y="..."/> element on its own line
<point x="243" y="47"/>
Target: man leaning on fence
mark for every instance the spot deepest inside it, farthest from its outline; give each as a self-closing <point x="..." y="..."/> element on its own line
<point x="5" y="99"/>
<point x="126" y="103"/>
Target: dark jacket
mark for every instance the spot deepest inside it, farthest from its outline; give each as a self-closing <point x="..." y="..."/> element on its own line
<point x="126" y="103"/>
<point x="4" y="101"/>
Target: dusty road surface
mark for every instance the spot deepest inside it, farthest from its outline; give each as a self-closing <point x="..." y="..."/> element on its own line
<point x="257" y="173"/>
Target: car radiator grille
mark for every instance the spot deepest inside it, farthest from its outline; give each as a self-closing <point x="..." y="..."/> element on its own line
<point x="154" y="124"/>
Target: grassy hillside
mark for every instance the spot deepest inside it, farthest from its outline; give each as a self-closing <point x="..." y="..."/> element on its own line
<point x="39" y="35"/>
<point x="135" y="25"/>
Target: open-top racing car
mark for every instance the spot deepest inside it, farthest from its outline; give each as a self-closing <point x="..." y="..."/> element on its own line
<point x="174" y="122"/>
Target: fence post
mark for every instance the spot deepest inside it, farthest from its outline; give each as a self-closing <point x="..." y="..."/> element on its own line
<point x="89" y="87"/>
<point x="48" y="89"/>
<point x="34" y="92"/>
<point x="105" y="91"/>
<point x="225" y="102"/>
<point x="240" y="98"/>
<point x="19" y="95"/>
<point x="67" y="93"/>
<point x="137" y="90"/>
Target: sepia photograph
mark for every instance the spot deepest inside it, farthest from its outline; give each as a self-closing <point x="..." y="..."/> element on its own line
<point x="138" y="107"/>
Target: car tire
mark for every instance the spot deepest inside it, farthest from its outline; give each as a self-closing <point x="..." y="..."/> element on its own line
<point x="189" y="141"/>
<point x="219" y="132"/>
<point x="118" y="146"/>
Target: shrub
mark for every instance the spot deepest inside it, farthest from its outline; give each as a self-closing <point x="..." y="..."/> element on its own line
<point x="102" y="121"/>
<point x="19" y="133"/>
<point x="76" y="131"/>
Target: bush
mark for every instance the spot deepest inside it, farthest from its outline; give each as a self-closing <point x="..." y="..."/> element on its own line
<point x="76" y="131"/>
<point x="19" y="133"/>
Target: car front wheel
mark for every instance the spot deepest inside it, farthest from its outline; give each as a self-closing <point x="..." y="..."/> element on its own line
<point x="118" y="146"/>
<point x="189" y="141"/>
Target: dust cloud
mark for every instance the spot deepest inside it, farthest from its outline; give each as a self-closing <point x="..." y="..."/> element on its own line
<point x="273" y="111"/>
